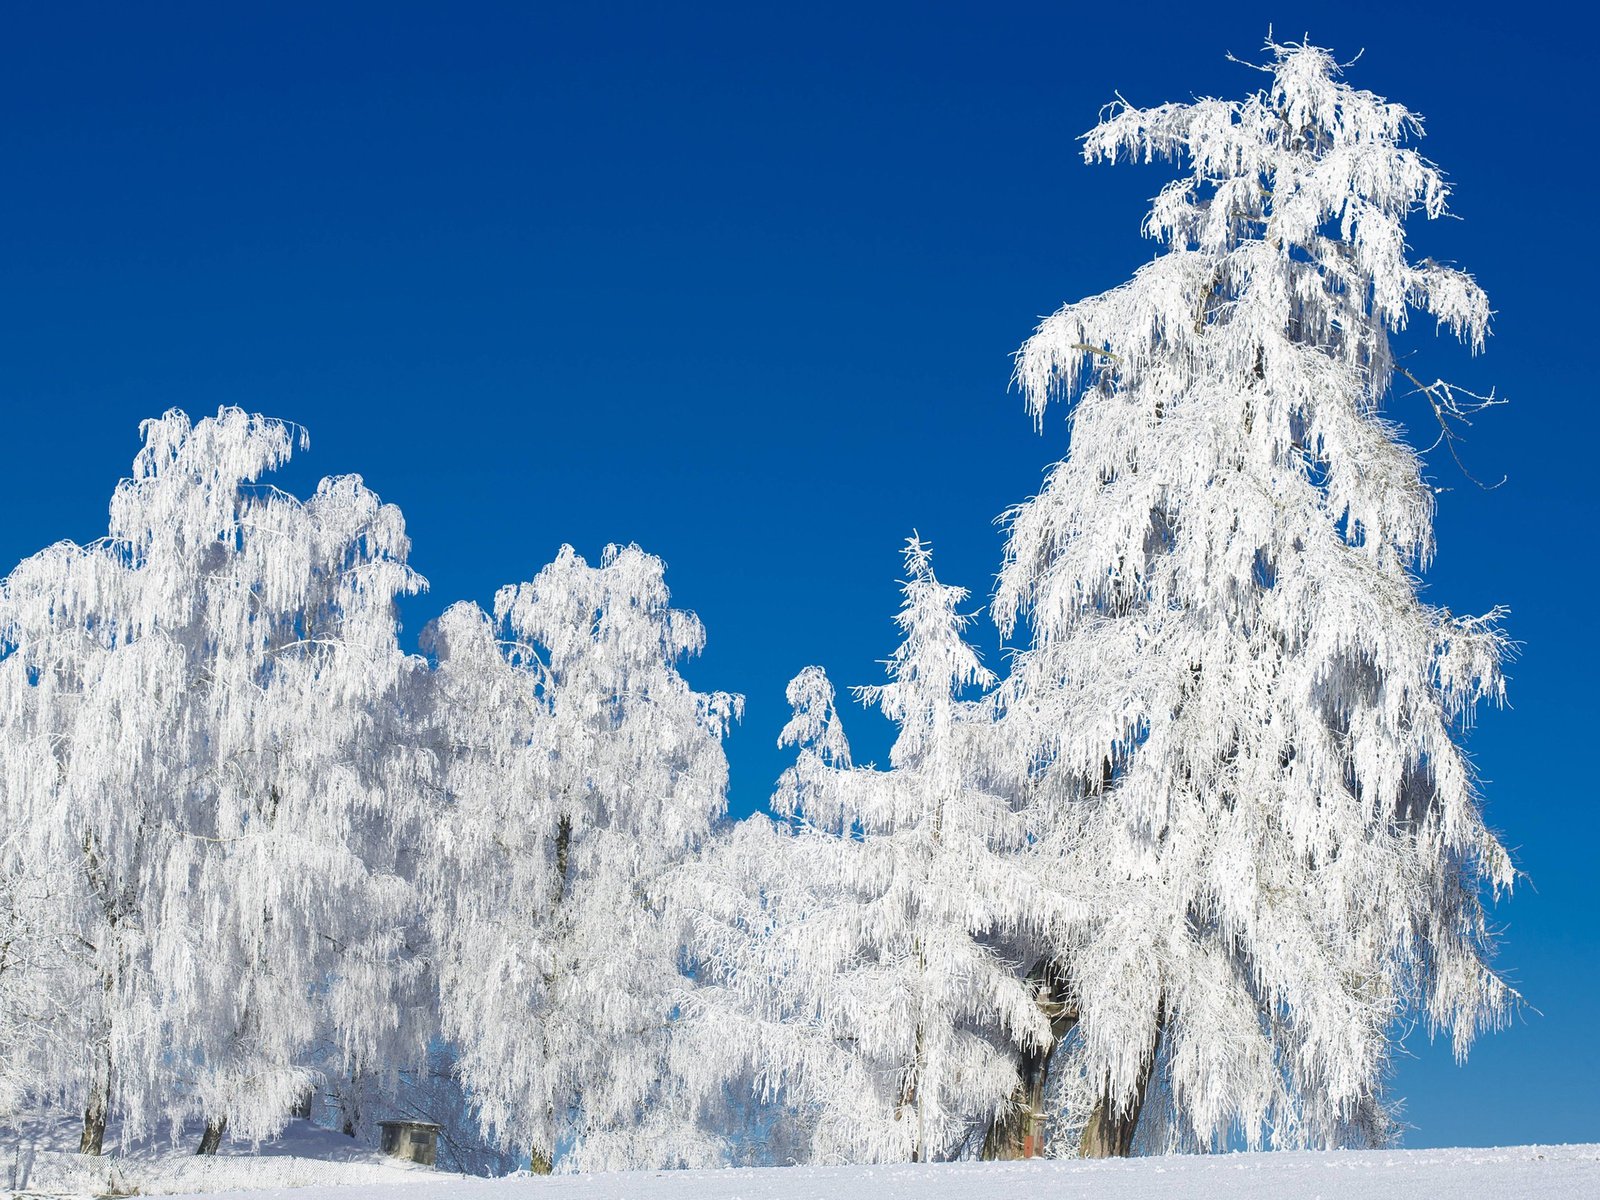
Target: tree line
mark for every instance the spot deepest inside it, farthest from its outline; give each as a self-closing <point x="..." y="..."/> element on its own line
<point x="1176" y="881"/>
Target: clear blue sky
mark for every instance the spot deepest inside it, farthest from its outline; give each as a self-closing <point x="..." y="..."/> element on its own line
<point x="740" y="283"/>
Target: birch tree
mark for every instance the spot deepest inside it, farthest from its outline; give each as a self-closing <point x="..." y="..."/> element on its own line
<point x="44" y="973"/>
<point x="200" y="721"/>
<point x="1238" y="718"/>
<point x="582" y="769"/>
<point x="305" y="790"/>
<point x="95" y="782"/>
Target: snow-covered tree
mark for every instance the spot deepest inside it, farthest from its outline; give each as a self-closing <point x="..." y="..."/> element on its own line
<point x="854" y="953"/>
<point x="1241" y="724"/>
<point x="304" y="788"/>
<point x="87" y="716"/>
<point x="200" y="713"/>
<point x="581" y="769"/>
<point x="44" y="970"/>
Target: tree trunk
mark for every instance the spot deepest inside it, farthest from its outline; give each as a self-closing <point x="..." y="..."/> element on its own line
<point x="1018" y="1132"/>
<point x="212" y="1137"/>
<point x="911" y="1094"/>
<point x="350" y="1104"/>
<point x="1109" y="1133"/>
<point x="94" y="1114"/>
<point x="563" y="854"/>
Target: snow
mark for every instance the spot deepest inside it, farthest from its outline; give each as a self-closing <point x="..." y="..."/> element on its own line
<point x="38" y="1158"/>
<point x="316" y="1164"/>
<point x="311" y="1163"/>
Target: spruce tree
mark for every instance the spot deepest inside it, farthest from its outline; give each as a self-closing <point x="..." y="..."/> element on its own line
<point x="857" y="954"/>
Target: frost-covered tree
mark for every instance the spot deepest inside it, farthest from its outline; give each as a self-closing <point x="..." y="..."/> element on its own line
<point x="89" y="706"/>
<point x="855" y="953"/>
<point x="1241" y="723"/>
<point x="303" y="786"/>
<point x="44" y="970"/>
<point x="200" y="714"/>
<point x="581" y="769"/>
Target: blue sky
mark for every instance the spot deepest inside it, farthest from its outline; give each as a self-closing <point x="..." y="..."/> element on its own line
<point x="740" y="283"/>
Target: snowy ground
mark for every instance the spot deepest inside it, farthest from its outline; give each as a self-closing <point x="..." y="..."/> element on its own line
<point x="39" y="1159"/>
<point x="1555" y="1173"/>
<point x="314" y="1164"/>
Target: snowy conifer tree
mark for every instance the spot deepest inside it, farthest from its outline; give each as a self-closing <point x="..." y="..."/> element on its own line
<point x="582" y="768"/>
<point x="855" y="955"/>
<point x="1243" y="721"/>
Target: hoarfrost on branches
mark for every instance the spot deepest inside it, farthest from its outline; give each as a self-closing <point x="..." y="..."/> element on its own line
<point x="1239" y="719"/>
<point x="199" y="718"/>
<point x="852" y="952"/>
<point x="582" y="769"/>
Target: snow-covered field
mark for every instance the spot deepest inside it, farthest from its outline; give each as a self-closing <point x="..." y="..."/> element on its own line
<point x="38" y="1158"/>
<point x="1548" y="1173"/>
<point x="315" y="1164"/>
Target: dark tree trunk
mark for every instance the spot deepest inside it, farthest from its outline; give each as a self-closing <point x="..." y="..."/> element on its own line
<point x="94" y="1113"/>
<point x="563" y="855"/>
<point x="1109" y="1133"/>
<point x="212" y="1137"/>
<point x="350" y="1104"/>
<point x="1018" y="1132"/>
